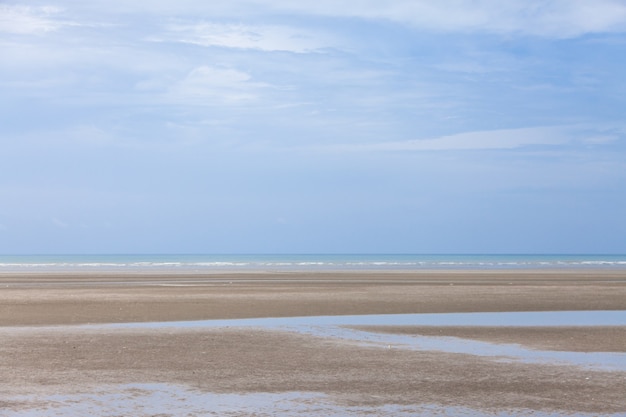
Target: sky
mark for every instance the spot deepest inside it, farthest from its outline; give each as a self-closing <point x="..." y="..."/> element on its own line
<point x="275" y="126"/>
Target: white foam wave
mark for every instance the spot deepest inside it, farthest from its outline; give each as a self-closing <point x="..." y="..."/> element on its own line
<point x="308" y="262"/>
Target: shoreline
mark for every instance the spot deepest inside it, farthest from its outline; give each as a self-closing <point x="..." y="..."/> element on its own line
<point x="184" y="270"/>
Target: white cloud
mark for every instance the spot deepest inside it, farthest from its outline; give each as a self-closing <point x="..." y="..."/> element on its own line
<point x="206" y="84"/>
<point x="261" y="37"/>
<point x="30" y="20"/>
<point x="551" y="18"/>
<point x="493" y="139"/>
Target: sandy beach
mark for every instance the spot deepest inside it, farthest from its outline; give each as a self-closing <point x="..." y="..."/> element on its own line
<point x="44" y="352"/>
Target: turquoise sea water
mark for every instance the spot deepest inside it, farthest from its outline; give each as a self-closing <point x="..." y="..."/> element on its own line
<point x="306" y="262"/>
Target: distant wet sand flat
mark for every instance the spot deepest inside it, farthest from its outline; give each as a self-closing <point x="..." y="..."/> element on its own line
<point x="46" y="350"/>
<point x="73" y="298"/>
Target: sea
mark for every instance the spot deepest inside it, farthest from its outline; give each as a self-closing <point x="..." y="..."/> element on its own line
<point x="207" y="263"/>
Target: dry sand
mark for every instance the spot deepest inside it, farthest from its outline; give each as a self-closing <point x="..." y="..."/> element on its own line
<point x="39" y="358"/>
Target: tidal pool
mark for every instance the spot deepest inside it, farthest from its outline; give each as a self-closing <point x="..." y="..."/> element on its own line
<point x="337" y="327"/>
<point x="533" y="318"/>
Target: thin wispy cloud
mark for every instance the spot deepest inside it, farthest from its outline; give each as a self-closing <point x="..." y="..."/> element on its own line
<point x="33" y="20"/>
<point x="29" y="20"/>
<point x="212" y="85"/>
<point x="493" y="139"/>
<point x="259" y="37"/>
<point x="545" y="18"/>
<point x="549" y="18"/>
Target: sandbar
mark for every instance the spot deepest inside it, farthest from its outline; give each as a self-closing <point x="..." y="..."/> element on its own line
<point x="45" y="299"/>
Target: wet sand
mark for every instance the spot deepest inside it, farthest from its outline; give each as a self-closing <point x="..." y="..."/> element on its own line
<point x="43" y="299"/>
<point x="43" y="353"/>
<point x="563" y="338"/>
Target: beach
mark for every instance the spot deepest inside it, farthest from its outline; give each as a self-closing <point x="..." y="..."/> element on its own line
<point x="59" y="348"/>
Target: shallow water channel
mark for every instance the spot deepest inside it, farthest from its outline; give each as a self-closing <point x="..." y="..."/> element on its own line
<point x="170" y="399"/>
<point x="339" y="327"/>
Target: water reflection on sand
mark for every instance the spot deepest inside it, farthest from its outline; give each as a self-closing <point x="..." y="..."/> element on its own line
<point x="338" y="327"/>
<point x="170" y="399"/>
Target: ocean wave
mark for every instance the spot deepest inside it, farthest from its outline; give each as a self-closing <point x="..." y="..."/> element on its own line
<point x="302" y="262"/>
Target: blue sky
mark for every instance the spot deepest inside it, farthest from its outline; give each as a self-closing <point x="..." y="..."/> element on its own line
<point x="274" y="126"/>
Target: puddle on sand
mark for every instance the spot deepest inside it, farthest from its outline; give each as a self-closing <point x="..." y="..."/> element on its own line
<point x="168" y="400"/>
<point x="534" y="318"/>
<point x="335" y="327"/>
<point x="606" y="361"/>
